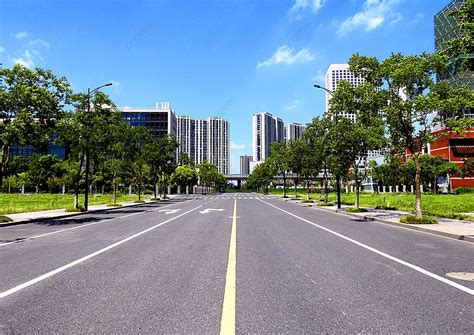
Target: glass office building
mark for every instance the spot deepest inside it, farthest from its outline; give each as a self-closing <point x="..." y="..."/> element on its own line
<point x="446" y="27"/>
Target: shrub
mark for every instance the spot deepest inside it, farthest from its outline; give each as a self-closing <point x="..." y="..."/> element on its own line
<point x="139" y="201"/>
<point x="322" y="204"/>
<point x="78" y="209"/>
<point x="5" y="219"/>
<point x="462" y="190"/>
<point x="306" y="201"/>
<point x="114" y="205"/>
<point x="356" y="210"/>
<point x="411" y="219"/>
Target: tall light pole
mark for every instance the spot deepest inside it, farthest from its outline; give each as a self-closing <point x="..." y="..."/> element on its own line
<point x="86" y="191"/>
<point x="338" y="177"/>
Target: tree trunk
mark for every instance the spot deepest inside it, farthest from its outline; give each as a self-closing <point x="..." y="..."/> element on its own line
<point x="76" y="200"/>
<point x="357" y="195"/>
<point x="307" y="189"/>
<point x="418" y="212"/>
<point x="139" y="192"/>
<point x="325" y="185"/>
<point x="114" y="199"/>
<point x="284" y="184"/>
<point x="4" y="158"/>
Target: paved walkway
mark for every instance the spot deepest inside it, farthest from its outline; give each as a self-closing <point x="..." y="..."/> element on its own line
<point x="458" y="229"/>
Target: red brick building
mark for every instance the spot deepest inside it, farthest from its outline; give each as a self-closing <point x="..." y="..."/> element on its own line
<point x="456" y="148"/>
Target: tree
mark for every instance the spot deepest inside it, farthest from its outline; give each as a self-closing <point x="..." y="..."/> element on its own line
<point x="31" y="103"/>
<point x="353" y="141"/>
<point x="184" y="176"/>
<point x="415" y="102"/>
<point x="45" y="171"/>
<point x="261" y="177"/>
<point x="91" y="133"/>
<point x="183" y="159"/>
<point x="279" y="159"/>
<point x="209" y="176"/>
<point x="317" y="136"/>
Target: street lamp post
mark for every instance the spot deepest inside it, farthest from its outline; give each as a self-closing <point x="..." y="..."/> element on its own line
<point x="86" y="191"/>
<point x="338" y="177"/>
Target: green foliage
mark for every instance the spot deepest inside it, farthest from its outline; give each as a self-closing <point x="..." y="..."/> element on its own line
<point x="324" y="204"/>
<point x="261" y="177"/>
<point x="307" y="201"/>
<point x="4" y="218"/>
<point x="411" y="219"/>
<point x="463" y="190"/>
<point x="20" y="203"/>
<point x="77" y="209"/>
<point x="31" y="103"/>
<point x="210" y="177"/>
<point x="184" y="176"/>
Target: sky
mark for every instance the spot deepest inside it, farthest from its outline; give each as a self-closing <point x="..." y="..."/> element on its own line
<point x="228" y="58"/>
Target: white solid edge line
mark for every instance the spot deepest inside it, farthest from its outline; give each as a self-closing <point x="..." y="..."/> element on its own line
<point x="381" y="253"/>
<point x="80" y="260"/>
<point x="82" y="226"/>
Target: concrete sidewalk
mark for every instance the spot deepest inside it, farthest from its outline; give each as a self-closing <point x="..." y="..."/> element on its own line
<point x="27" y="217"/>
<point x="457" y="229"/>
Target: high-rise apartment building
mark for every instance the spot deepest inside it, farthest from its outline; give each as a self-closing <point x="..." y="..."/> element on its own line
<point x="161" y="119"/>
<point x="336" y="73"/>
<point x="205" y="140"/>
<point x="293" y="131"/>
<point x="245" y="164"/>
<point x="266" y="130"/>
<point x="446" y="27"/>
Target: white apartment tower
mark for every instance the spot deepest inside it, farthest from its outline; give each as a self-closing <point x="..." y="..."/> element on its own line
<point x="266" y="130"/>
<point x="336" y="73"/>
<point x="293" y="131"/>
<point x="205" y="140"/>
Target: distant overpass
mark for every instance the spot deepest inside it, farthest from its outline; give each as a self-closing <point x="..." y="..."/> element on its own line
<point x="291" y="176"/>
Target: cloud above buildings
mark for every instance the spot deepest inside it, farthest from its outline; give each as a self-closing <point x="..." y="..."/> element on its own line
<point x="237" y="146"/>
<point x="292" y="106"/>
<point x="300" y="5"/>
<point x="2" y="49"/>
<point x="31" y="54"/>
<point x="372" y="15"/>
<point x="286" y="55"/>
<point x="21" y="35"/>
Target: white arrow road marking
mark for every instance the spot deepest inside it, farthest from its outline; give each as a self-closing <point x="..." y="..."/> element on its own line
<point x="208" y="210"/>
<point x="169" y="211"/>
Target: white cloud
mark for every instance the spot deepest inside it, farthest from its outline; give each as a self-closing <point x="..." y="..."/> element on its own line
<point x="2" y="49"/>
<point x="21" y="35"/>
<point x="115" y="83"/>
<point x="315" y="5"/>
<point x="28" y="58"/>
<point x="293" y="105"/>
<point x="40" y="43"/>
<point x="373" y="15"/>
<point x="237" y="146"/>
<point x="319" y="77"/>
<point x="286" y="55"/>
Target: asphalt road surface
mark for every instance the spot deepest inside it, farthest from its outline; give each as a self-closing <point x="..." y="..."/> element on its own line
<point x="228" y="263"/>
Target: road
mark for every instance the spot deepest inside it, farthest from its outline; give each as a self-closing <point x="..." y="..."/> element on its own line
<point x="233" y="262"/>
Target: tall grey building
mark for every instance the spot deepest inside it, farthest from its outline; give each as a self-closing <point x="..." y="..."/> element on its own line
<point x="245" y="164"/>
<point x="161" y="119"/>
<point x="205" y="140"/>
<point x="293" y="131"/>
<point x="266" y="130"/>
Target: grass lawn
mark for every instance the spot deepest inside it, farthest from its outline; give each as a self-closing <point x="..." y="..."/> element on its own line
<point x="442" y="205"/>
<point x="20" y="203"/>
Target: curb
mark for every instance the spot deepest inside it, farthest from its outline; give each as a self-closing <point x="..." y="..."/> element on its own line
<point x="465" y="238"/>
<point x="15" y="223"/>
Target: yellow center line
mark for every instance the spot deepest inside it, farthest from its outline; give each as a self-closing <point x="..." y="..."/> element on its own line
<point x="228" y="308"/>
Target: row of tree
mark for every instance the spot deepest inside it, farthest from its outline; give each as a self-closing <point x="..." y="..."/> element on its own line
<point x="395" y="109"/>
<point x="39" y="109"/>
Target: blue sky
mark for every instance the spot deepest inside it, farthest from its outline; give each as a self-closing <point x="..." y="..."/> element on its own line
<point x="228" y="58"/>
